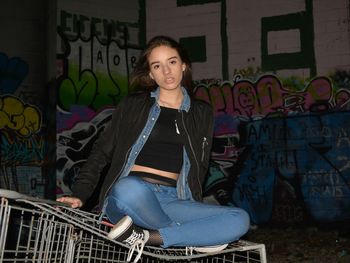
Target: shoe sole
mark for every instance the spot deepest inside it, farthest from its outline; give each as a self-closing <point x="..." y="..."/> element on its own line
<point x="120" y="227"/>
<point x="210" y="249"/>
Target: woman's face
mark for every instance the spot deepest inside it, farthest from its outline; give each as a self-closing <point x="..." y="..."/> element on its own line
<point x="166" y="67"/>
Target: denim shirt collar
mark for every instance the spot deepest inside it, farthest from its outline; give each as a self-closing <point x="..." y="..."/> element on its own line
<point x="186" y="102"/>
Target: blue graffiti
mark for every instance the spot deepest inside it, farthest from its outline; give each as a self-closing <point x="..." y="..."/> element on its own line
<point x="325" y="173"/>
<point x="22" y="152"/>
<point x="12" y="73"/>
<point x="313" y="150"/>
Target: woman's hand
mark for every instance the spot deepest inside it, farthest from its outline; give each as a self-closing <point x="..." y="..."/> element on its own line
<point x="74" y="202"/>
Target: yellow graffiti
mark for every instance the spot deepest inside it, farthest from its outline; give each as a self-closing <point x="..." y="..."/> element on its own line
<point x="22" y="118"/>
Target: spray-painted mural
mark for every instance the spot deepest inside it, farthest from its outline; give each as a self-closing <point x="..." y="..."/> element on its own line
<point x="22" y="146"/>
<point x="95" y="67"/>
<point x="280" y="143"/>
<point x="279" y="153"/>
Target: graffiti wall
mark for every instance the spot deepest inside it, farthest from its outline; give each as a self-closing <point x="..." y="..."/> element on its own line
<point x="280" y="153"/>
<point x="278" y="84"/>
<point x="303" y="37"/>
<point x="22" y="143"/>
<point x="94" y="62"/>
<point x="276" y="73"/>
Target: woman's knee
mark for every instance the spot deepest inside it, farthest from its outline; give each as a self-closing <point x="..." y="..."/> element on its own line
<point x="238" y="223"/>
<point x="123" y="198"/>
<point x="128" y="189"/>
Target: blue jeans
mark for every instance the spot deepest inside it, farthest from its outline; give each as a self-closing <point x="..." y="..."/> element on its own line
<point x="179" y="222"/>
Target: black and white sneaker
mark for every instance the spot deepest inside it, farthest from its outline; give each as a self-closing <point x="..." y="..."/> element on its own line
<point x="127" y="233"/>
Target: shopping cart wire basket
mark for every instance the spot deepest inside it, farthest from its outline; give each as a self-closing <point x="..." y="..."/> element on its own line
<point x="40" y="230"/>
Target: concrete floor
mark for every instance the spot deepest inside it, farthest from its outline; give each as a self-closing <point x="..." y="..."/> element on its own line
<point x="303" y="244"/>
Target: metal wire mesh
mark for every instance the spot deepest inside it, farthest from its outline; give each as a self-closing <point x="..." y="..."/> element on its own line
<point x="35" y="230"/>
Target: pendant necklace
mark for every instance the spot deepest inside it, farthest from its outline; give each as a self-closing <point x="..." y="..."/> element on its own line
<point x="160" y="102"/>
<point x="177" y="128"/>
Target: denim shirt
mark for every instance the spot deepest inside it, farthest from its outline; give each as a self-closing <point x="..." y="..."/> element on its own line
<point x="183" y="190"/>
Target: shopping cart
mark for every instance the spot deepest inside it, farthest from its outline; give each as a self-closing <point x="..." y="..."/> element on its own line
<point x="38" y="230"/>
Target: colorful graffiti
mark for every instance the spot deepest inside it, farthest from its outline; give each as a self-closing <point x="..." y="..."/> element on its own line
<point x="95" y="65"/>
<point x="17" y="151"/>
<point x="280" y="152"/>
<point x="22" y="118"/>
<point x="22" y="146"/>
<point x="95" y="70"/>
<point x="74" y="145"/>
<point x="268" y="96"/>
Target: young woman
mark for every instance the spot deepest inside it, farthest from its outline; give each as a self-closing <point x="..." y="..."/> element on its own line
<point x="158" y="147"/>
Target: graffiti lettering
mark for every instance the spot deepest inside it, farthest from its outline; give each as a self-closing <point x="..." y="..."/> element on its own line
<point x="268" y="96"/>
<point x="22" y="118"/>
<point x="268" y="131"/>
<point x="251" y="192"/>
<point x="323" y="183"/>
<point x="262" y="158"/>
<point x="23" y="152"/>
<point x="96" y="72"/>
<point x="80" y="24"/>
<point x="287" y="147"/>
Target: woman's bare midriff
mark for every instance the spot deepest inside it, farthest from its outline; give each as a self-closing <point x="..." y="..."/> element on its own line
<point x="140" y="168"/>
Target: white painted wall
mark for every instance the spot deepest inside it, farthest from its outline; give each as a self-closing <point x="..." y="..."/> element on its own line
<point x="164" y="18"/>
<point x="331" y="32"/>
<point x="332" y="35"/>
<point x="24" y="25"/>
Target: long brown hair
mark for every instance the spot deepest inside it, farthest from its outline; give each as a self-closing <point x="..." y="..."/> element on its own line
<point x="140" y="75"/>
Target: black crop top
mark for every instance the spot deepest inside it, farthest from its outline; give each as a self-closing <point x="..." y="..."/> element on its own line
<point x="164" y="148"/>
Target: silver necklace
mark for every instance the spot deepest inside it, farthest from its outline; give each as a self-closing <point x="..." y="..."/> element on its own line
<point x="177" y="128"/>
<point x="164" y="104"/>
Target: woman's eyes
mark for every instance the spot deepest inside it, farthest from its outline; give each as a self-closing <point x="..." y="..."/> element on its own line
<point x="172" y="62"/>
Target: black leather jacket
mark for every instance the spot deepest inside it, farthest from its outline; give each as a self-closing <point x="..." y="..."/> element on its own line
<point x="115" y="142"/>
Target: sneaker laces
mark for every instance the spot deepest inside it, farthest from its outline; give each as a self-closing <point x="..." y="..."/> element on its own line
<point x="189" y="251"/>
<point x="136" y="242"/>
<point x="134" y="237"/>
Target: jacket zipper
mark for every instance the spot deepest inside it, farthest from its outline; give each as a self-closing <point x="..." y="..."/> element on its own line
<point x="204" y="143"/>
<point x="194" y="154"/>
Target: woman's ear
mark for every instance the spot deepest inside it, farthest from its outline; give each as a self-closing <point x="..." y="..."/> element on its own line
<point x="151" y="76"/>
<point x="183" y="67"/>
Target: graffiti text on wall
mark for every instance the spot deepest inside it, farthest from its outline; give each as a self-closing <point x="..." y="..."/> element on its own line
<point x="22" y="118"/>
<point x="95" y="71"/>
<point x="268" y="96"/>
<point x="73" y="24"/>
<point x="22" y="148"/>
<point x="75" y="143"/>
<point x="274" y="145"/>
<point x="25" y="151"/>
